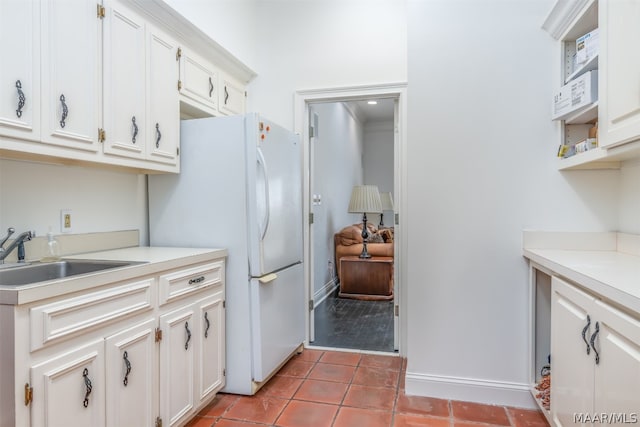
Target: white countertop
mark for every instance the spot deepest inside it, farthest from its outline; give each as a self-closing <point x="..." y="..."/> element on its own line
<point x="611" y="274"/>
<point x="152" y="260"/>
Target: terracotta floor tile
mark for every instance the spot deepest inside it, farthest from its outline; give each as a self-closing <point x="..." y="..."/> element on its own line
<point x="322" y="391"/>
<point x="469" y="411"/>
<point x="340" y="358"/>
<point x="199" y="421"/>
<point x="457" y="423"/>
<point x="419" y="405"/>
<point x="235" y="423"/>
<point x="281" y="386"/>
<point x="219" y="405"/>
<point x="331" y="372"/>
<point x="379" y="361"/>
<point x="408" y="420"/>
<point x="296" y="368"/>
<point x="357" y="417"/>
<point x="259" y="409"/>
<point x="527" y="418"/>
<point x="370" y="397"/>
<point x="376" y="377"/>
<point x="309" y="355"/>
<point x="307" y="414"/>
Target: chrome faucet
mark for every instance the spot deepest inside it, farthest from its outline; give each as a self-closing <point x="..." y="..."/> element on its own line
<point x="18" y="242"/>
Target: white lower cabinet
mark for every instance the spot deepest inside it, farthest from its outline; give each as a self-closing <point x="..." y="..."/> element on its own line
<point x="191" y="357"/>
<point x="131" y="376"/>
<point x="69" y="388"/>
<point x="115" y="356"/>
<point x="595" y="359"/>
<point x="177" y="364"/>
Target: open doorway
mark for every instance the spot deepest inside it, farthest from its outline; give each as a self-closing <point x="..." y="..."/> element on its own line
<point x="349" y="142"/>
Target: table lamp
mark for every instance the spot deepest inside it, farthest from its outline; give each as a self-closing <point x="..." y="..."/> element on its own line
<point x="365" y="198"/>
<point x="387" y="205"/>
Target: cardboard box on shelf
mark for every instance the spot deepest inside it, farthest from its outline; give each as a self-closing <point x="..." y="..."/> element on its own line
<point x="575" y="95"/>
<point x="587" y="47"/>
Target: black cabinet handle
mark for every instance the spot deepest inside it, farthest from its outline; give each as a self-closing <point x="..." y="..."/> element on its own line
<point x="135" y="129"/>
<point x="226" y="95"/>
<point x="206" y="319"/>
<point x="65" y="111"/>
<point x="592" y="341"/>
<point x="87" y="384"/>
<point x="125" y="356"/>
<point x="584" y="333"/>
<point x="210" y="87"/>
<point x="158" y="135"/>
<point x="21" y="98"/>
<point x="186" y="326"/>
<point x="196" y="280"/>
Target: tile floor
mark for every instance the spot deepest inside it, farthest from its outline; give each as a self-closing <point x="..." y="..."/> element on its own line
<point x="329" y="388"/>
<point x="351" y="323"/>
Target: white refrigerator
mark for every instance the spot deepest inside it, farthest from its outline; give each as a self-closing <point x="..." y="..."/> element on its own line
<point x="240" y="188"/>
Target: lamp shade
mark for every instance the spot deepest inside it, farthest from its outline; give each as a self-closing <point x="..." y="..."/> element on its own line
<point x="365" y="199"/>
<point x="387" y="201"/>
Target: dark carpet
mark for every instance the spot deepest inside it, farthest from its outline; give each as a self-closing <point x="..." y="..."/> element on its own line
<point x="354" y="324"/>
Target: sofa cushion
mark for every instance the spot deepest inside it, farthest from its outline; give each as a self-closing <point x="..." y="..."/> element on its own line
<point x="352" y="234"/>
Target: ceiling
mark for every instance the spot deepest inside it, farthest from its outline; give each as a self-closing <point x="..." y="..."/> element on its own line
<point x="383" y="111"/>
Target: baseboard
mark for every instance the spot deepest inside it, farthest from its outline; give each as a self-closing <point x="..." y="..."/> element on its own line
<point x="470" y="390"/>
<point x="322" y="293"/>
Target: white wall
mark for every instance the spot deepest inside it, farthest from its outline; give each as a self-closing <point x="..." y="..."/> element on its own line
<point x="378" y="161"/>
<point x="325" y="44"/>
<point x="629" y="207"/>
<point x="231" y="23"/>
<point x="337" y="160"/>
<point x="32" y="194"/>
<point x="480" y="169"/>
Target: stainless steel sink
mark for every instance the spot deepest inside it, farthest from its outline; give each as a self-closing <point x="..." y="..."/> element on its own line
<point x="42" y="271"/>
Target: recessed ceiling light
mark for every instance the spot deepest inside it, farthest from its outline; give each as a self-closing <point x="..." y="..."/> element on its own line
<point x="372" y="102"/>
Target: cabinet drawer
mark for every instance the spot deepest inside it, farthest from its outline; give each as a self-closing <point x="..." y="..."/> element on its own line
<point x="69" y="317"/>
<point x="186" y="282"/>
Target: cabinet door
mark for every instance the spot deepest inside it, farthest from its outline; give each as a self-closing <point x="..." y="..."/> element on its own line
<point x="199" y="81"/>
<point x="20" y="70"/>
<point x="231" y="97"/>
<point x="177" y="362"/>
<point x="619" y="72"/>
<point x="69" y="389"/>
<point x="164" y="105"/>
<point x="131" y="371"/>
<point x="211" y="360"/>
<point x="617" y="373"/>
<point x="571" y="360"/>
<point x="124" y="83"/>
<point x="70" y="73"/>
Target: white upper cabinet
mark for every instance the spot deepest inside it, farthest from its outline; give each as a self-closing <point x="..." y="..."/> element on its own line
<point x="100" y="81"/>
<point x="231" y="96"/>
<point x="70" y="73"/>
<point x="198" y="81"/>
<point x="163" y="125"/>
<point x="124" y="83"/>
<point x="20" y="70"/>
<point x="620" y="72"/>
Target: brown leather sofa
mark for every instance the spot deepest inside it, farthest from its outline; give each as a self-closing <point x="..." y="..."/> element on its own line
<point x="348" y="242"/>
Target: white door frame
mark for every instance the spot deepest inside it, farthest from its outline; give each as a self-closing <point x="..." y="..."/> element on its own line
<point x="301" y="122"/>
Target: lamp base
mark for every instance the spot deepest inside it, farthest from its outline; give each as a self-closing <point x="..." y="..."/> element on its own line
<point x="365" y="236"/>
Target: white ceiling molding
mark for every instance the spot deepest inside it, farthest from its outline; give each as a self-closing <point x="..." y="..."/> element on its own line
<point x="564" y="12"/>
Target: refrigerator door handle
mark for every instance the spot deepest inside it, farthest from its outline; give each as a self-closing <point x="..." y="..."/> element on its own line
<point x="267" y="278"/>
<point x="263" y="164"/>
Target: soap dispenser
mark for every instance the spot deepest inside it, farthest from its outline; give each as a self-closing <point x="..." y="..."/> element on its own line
<point x="52" y="250"/>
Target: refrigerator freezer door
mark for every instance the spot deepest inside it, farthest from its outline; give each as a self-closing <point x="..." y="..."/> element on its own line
<point x="274" y="172"/>
<point x="277" y="319"/>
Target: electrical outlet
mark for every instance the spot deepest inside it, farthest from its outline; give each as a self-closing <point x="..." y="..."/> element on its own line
<point x="65" y="221"/>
